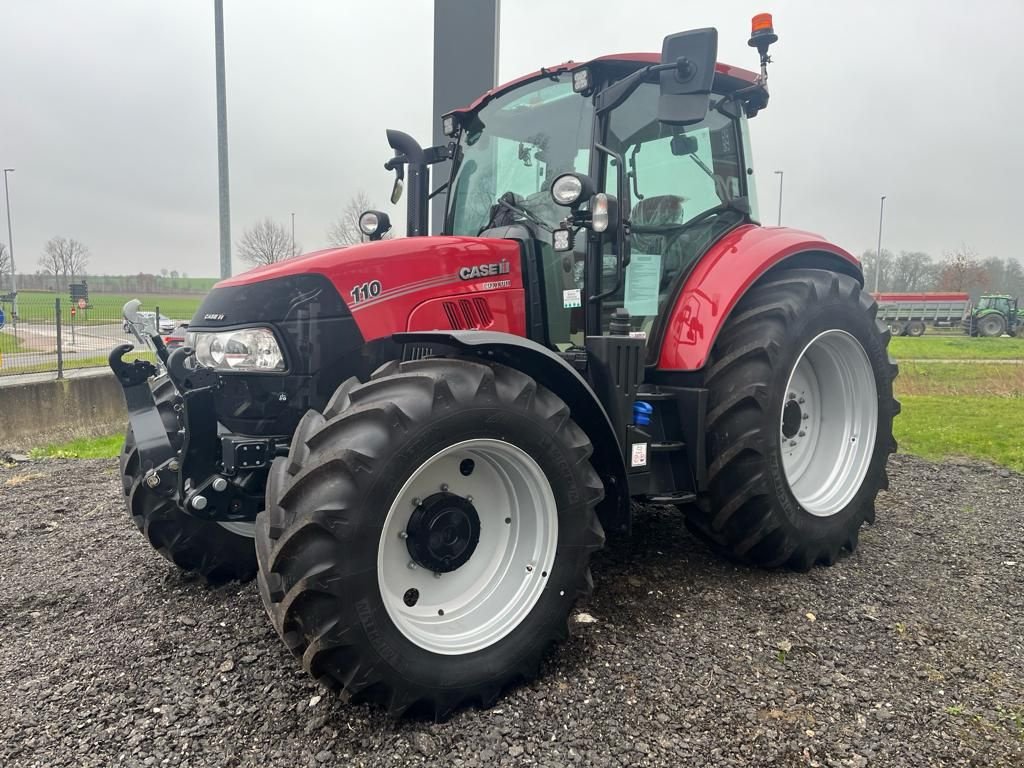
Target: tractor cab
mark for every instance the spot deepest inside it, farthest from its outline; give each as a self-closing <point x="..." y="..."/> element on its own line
<point x="614" y="175"/>
<point x="530" y="161"/>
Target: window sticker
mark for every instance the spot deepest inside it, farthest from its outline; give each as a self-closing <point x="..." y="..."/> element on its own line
<point x="643" y="278"/>
<point x="572" y="298"/>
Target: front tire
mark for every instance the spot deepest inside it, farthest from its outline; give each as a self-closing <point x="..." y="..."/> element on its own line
<point x="428" y="534"/>
<point x="209" y="549"/>
<point x="798" y="375"/>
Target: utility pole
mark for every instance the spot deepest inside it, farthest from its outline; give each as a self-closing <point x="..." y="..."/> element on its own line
<point x="878" y="253"/>
<point x="10" y="247"/>
<point x="781" y="175"/>
<point x="293" y="234"/>
<point x="222" y="143"/>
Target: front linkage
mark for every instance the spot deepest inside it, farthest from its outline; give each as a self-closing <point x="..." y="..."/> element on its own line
<point x="211" y="476"/>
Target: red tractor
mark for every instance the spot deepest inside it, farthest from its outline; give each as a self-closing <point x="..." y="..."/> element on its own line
<point x="417" y="444"/>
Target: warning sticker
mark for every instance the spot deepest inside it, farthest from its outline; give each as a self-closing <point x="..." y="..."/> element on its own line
<point x="639" y="458"/>
<point x="572" y="298"/>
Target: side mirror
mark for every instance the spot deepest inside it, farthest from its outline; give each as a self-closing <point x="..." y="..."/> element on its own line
<point x="689" y="58"/>
<point x="682" y="146"/>
<point x="396" y="191"/>
<point x="374" y="224"/>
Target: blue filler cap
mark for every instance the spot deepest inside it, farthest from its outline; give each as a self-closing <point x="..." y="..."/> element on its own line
<point x="642" y="413"/>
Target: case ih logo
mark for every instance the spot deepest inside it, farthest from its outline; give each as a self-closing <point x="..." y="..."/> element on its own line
<point x="485" y="270"/>
<point x="213" y="316"/>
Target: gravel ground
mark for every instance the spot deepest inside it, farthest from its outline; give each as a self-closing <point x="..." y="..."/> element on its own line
<point x="910" y="652"/>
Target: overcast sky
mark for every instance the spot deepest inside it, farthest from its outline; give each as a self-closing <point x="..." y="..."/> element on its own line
<point x="107" y="112"/>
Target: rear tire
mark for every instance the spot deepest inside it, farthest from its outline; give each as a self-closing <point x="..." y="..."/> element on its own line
<point x="798" y="340"/>
<point x="991" y="326"/>
<point x="333" y="558"/>
<point x="199" y="546"/>
<point x="916" y="329"/>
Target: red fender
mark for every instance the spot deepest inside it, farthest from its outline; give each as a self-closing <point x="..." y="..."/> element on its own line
<point x="725" y="273"/>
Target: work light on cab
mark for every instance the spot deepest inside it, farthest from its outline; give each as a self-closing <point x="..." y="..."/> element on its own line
<point x="581" y="81"/>
<point x="374" y="224"/>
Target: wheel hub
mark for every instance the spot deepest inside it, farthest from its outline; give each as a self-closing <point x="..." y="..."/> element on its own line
<point x="443" y="532"/>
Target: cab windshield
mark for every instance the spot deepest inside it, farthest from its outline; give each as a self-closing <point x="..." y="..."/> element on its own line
<point x="513" y="150"/>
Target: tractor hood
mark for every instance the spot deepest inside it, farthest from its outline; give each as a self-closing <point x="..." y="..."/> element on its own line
<point x="382" y="285"/>
<point x="393" y="262"/>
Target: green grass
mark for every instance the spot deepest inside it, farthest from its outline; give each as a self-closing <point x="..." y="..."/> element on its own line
<point x="985" y="427"/>
<point x="106" y="307"/>
<point x="956" y="348"/>
<point x="85" y="448"/>
<point x="9" y="343"/>
<point x="962" y="379"/>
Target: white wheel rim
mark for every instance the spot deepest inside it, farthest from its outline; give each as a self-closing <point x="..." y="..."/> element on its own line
<point x="483" y="600"/>
<point x="829" y="422"/>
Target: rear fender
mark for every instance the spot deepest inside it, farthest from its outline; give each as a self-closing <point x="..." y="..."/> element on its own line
<point x="550" y="370"/>
<point x="725" y="273"/>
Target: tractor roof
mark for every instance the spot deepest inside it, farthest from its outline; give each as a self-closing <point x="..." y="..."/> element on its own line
<point x="727" y="76"/>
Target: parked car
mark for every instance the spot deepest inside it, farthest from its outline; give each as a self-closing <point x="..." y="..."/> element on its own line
<point x="148" y="319"/>
<point x="176" y="338"/>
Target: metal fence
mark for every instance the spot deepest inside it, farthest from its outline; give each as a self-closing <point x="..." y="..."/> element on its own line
<point x="52" y="335"/>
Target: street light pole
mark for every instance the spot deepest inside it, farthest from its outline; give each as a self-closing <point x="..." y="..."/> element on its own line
<point x="878" y="253"/>
<point x="293" y="233"/>
<point x="222" y="142"/>
<point x="781" y="176"/>
<point x="10" y="246"/>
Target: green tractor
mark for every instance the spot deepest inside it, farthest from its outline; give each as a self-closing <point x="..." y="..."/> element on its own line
<point x="994" y="315"/>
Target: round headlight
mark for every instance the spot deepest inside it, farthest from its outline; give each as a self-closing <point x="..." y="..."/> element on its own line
<point x="369" y="222"/>
<point x="567" y="189"/>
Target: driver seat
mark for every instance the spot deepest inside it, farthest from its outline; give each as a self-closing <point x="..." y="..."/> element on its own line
<point x="653" y="224"/>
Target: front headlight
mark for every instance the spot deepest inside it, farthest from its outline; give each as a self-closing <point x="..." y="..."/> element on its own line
<point x="245" y="349"/>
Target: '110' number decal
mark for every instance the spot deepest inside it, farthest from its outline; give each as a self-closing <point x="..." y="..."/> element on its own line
<point x="370" y="290"/>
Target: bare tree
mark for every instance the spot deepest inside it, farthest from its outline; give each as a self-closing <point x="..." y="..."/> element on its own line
<point x="1014" y="277"/>
<point x="345" y="229"/>
<point x="884" y="265"/>
<point x="962" y="272"/>
<point x="64" y="257"/>
<point x="266" y="242"/>
<point x="5" y="263"/>
<point x="912" y="271"/>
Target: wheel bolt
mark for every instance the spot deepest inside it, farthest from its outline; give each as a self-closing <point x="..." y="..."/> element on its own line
<point x="437" y="575"/>
<point x="802" y="433"/>
<point x="444" y="487"/>
<point x="792" y="395"/>
<point x="152" y="479"/>
<point x="529" y="569"/>
<point x="792" y="442"/>
<point x="403" y="535"/>
<point x="801" y="400"/>
<point x="416" y="501"/>
<point x="469" y="499"/>
<point x="806" y="416"/>
<point x="412" y="566"/>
